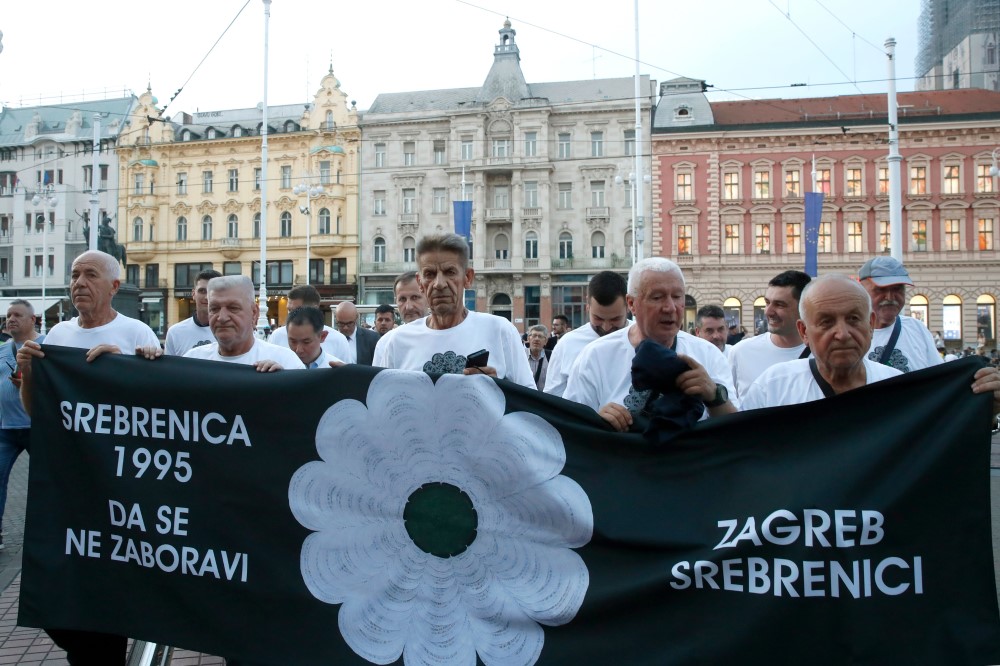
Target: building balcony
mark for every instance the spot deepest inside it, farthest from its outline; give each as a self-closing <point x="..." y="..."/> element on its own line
<point x="6" y="238"/>
<point x="330" y="245"/>
<point x="497" y="264"/>
<point x="409" y="218"/>
<point x="532" y="212"/>
<point x="531" y="264"/>
<point x="4" y="279"/>
<point x="388" y="267"/>
<point x="141" y="251"/>
<point x="499" y="161"/>
<point x="499" y="214"/>
<point x="74" y="237"/>
<point x="598" y="213"/>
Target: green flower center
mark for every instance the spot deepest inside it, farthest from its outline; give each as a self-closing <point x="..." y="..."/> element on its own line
<point x="440" y="519"/>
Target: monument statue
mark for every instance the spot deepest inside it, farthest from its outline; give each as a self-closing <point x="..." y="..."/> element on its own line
<point x="106" y="240"/>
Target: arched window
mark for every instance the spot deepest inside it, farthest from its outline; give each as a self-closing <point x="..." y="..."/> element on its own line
<point x="531" y="245"/>
<point x="378" y="250"/>
<point x="137" y="229"/>
<point x="182" y="228"/>
<point x="919" y="309"/>
<point x="409" y="249"/>
<point x="501" y="246"/>
<point x="290" y="126"/>
<point x="233" y="227"/>
<point x="237" y="131"/>
<point x="732" y="307"/>
<point x="597" y="245"/>
<point x="951" y="316"/>
<point x="500" y="306"/>
<point x="324" y="220"/>
<point x="210" y="134"/>
<point x="329" y="120"/>
<point x="986" y="320"/>
<point x="206" y="228"/>
<point x="286" y="225"/>
<point x="186" y="135"/>
<point x="759" y="318"/>
<point x="256" y="225"/>
<point x="565" y="245"/>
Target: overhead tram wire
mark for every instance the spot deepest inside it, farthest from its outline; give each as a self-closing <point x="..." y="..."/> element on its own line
<point x="811" y="41"/>
<point x="852" y="31"/>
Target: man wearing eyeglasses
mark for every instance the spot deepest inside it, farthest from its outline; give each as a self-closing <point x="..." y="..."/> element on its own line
<point x="360" y="341"/>
<point x="15" y="424"/>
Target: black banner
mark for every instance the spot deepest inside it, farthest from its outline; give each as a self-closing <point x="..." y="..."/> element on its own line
<point x="355" y="516"/>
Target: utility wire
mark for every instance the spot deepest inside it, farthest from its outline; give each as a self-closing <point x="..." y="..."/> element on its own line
<point x="806" y="35"/>
<point x="853" y="33"/>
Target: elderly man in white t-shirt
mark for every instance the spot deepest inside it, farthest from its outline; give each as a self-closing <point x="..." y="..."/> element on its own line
<point x="602" y="376"/>
<point x="442" y="341"/>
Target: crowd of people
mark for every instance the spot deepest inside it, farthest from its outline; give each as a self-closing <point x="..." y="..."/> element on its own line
<point x="824" y="336"/>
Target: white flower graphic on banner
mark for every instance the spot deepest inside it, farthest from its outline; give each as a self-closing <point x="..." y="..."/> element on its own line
<point x="442" y="525"/>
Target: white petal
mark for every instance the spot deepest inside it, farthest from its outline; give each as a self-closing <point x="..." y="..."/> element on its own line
<point x="523" y="450"/>
<point x="341" y="564"/>
<point x="557" y="512"/>
<point x="466" y="409"/>
<point x="321" y="497"/>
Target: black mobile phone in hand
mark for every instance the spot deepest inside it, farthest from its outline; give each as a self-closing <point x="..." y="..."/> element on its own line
<point x="477" y="359"/>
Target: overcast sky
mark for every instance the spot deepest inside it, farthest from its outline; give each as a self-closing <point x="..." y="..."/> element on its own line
<point x="745" y="48"/>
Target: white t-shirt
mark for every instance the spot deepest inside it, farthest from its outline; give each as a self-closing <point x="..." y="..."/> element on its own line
<point x="185" y="335"/>
<point x="603" y="373"/>
<point x="792" y="383"/>
<point x="914" y="350"/>
<point x="750" y="357"/>
<point x="323" y="361"/>
<point x="125" y="332"/>
<point x="564" y="355"/>
<point x="334" y="345"/>
<point x="261" y="351"/>
<point x="411" y="346"/>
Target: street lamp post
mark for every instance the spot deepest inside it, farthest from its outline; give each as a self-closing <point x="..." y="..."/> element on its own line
<point x="45" y="198"/>
<point x="311" y="193"/>
<point x="630" y="181"/>
<point x="262" y="323"/>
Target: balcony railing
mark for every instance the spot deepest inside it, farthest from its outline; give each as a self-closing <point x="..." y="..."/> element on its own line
<point x="389" y="267"/>
<point x="598" y="212"/>
<point x="495" y="214"/>
<point x="409" y="218"/>
<point x="531" y="212"/>
<point x="497" y="264"/>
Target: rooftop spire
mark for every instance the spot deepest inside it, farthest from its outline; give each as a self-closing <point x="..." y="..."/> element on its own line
<point x="505" y="78"/>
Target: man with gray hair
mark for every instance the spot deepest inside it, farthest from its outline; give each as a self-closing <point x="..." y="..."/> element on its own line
<point x="410" y="301"/>
<point x="232" y="315"/>
<point x="602" y="376"/>
<point x="443" y="341"/>
<point x="538" y="359"/>
<point x="94" y="280"/>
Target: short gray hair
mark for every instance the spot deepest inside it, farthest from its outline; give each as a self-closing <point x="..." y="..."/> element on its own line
<point x="22" y="302"/>
<point x="110" y="264"/>
<point x="651" y="265"/>
<point x="235" y="282"/>
<point x="838" y="278"/>
<point x="540" y="328"/>
<point x="445" y="243"/>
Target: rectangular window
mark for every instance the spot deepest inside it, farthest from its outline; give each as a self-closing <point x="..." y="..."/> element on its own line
<point x="501" y="148"/>
<point x="316" y="271"/>
<point x="731" y="185"/>
<point x="683" y="187"/>
<point x="324" y="175"/>
<point x="409" y="200"/>
<point x="855" y="237"/>
<point x="984" y="181"/>
<point x="206" y="182"/>
<point x="232" y="227"/>
<point x="732" y="238"/>
<point x="824" y="241"/>
<point x="378" y="202"/>
<point x="853" y="183"/>
<point x="379" y="155"/>
<point x="440" y="200"/>
<point x="104" y="176"/>
<point x="762" y="238"/>
<point x="467" y="153"/>
<point x="531" y="144"/>
<point x="630" y="142"/>
<point x="152" y="275"/>
<point x="232" y="268"/>
<point x="824" y="182"/>
<point x="793" y="183"/>
<point x="531" y="246"/>
<point x="918" y="180"/>
<point x="338" y="271"/>
<point x="597" y="144"/>
<point x="409" y="153"/>
<point x="186" y="274"/>
<point x="256" y="178"/>
<point x="984" y="232"/>
<point x="531" y="194"/>
<point x="597" y="193"/>
<point x="952" y="182"/>
<point x="684" y="239"/>
<point x="234" y="180"/>
<point x="439" y="152"/>
<point x="884" y="236"/>
<point x="410" y="254"/>
<point x="501" y="196"/>
<point x="182" y="183"/>
<point x="140" y="183"/>
<point x="564" y="145"/>
<point x="565" y="196"/>
<point x="761" y="185"/>
<point x="918" y="235"/>
<point x="793" y="238"/>
<point x="286" y="177"/>
<point x="597" y="251"/>
<point x="628" y="197"/>
<point x="952" y="235"/>
<point x="88" y="173"/>
<point x="883" y="181"/>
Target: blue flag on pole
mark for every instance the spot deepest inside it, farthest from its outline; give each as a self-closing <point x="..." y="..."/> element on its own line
<point x="814" y="211"/>
<point x="463" y="218"/>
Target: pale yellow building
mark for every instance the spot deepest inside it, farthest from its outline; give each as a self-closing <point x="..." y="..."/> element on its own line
<point x="190" y="200"/>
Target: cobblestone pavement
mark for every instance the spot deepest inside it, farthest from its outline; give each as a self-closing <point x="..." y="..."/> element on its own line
<point x="25" y="645"/>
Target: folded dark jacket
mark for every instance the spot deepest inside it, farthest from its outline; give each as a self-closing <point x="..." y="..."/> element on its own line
<point x="668" y="411"/>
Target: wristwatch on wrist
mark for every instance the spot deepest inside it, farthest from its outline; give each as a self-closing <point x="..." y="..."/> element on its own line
<point x="721" y="396"/>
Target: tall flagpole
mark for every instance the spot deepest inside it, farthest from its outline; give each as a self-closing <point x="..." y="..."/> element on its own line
<point x="895" y="190"/>
<point x="262" y="323"/>
<point x="638" y="203"/>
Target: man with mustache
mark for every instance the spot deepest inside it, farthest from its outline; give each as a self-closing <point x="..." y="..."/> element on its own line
<point x="899" y="341"/>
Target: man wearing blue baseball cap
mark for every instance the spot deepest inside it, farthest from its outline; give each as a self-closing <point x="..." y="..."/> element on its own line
<point x="898" y="341"/>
